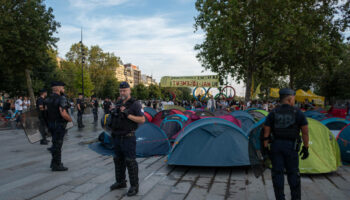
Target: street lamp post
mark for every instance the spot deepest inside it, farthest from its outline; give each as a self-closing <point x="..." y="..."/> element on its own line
<point x="82" y="62"/>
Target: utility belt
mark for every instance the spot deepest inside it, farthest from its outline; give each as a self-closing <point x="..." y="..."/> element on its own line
<point x="297" y="141"/>
<point x="130" y="134"/>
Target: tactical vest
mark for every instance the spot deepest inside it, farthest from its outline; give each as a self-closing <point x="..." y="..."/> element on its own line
<point x="285" y="123"/>
<point x="119" y="123"/>
<point x="53" y="111"/>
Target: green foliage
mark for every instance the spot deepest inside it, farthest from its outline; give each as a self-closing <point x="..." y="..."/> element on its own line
<point x="26" y="36"/>
<point x="295" y="40"/>
<point x="140" y="92"/>
<point x="110" y="89"/>
<point x="154" y="92"/>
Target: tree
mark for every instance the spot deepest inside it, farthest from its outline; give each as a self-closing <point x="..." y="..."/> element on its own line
<point x="154" y="92"/>
<point x="26" y="34"/>
<point x="140" y="92"/>
<point x="110" y="89"/>
<point x="102" y="67"/>
<point x="292" y="38"/>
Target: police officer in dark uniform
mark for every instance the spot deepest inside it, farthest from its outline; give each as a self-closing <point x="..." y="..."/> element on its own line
<point x="106" y="106"/>
<point x="282" y="130"/>
<point x="41" y="107"/>
<point x="126" y="116"/>
<point x="57" y="111"/>
<point x="94" y="104"/>
<point x="81" y="107"/>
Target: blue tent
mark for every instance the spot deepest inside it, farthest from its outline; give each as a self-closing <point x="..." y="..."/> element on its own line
<point x="150" y="141"/>
<point x="315" y="115"/>
<point x="173" y="124"/>
<point x="343" y="140"/>
<point x="335" y="124"/>
<point x="150" y="111"/>
<point x="246" y="119"/>
<point x="210" y="142"/>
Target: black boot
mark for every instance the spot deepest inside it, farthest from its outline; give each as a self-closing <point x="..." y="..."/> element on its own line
<point x="120" y="168"/>
<point x="44" y="142"/>
<point x="59" y="168"/>
<point x="133" y="176"/>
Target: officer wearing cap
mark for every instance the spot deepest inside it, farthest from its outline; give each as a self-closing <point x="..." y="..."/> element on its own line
<point x="94" y="104"/>
<point x="81" y="107"/>
<point x="41" y="108"/>
<point x="57" y="108"/>
<point x="282" y="130"/>
<point x="125" y="118"/>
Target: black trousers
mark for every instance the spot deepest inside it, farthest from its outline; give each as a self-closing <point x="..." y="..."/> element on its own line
<point x="285" y="157"/>
<point x="80" y="119"/>
<point x="125" y="157"/>
<point x="94" y="111"/>
<point x="42" y="128"/>
<point x="57" y="130"/>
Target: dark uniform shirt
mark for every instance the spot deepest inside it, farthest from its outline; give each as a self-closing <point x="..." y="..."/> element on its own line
<point x="300" y="118"/>
<point x="106" y="105"/>
<point x="134" y="109"/>
<point x="54" y="103"/>
<point x="81" y="103"/>
<point x="95" y="103"/>
<point x="40" y="102"/>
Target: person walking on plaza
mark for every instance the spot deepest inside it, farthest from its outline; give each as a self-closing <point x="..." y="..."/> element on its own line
<point x="285" y="123"/>
<point x="125" y="119"/>
<point x="211" y="104"/>
<point x="58" y="117"/>
<point x="94" y="104"/>
<point x="41" y="108"/>
<point x="106" y="106"/>
<point x="80" y="107"/>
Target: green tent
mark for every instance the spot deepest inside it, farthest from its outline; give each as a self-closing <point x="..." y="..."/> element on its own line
<point x="324" y="150"/>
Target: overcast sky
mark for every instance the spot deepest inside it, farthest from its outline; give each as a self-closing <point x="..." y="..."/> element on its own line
<point x="156" y="35"/>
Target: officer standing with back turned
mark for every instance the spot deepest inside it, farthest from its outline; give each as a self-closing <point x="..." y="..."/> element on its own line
<point x="81" y="107"/>
<point x="282" y="130"/>
<point x="41" y="108"/>
<point x="57" y="111"/>
<point x="94" y="104"/>
<point x="126" y="116"/>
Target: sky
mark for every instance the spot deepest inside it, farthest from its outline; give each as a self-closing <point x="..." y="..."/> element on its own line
<point x="156" y="35"/>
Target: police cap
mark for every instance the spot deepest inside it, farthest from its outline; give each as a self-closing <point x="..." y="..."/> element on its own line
<point x="124" y="84"/>
<point x="80" y="94"/>
<point x="57" y="83"/>
<point x="286" y="91"/>
<point x="42" y="91"/>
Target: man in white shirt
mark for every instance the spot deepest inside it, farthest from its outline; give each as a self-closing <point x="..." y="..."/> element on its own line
<point x="211" y="104"/>
<point x="19" y="105"/>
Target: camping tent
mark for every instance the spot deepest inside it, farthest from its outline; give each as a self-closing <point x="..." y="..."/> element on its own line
<point x="173" y="124"/>
<point x="150" y="111"/>
<point x="246" y="119"/>
<point x="210" y="142"/>
<point x="158" y="118"/>
<point x="324" y="150"/>
<point x="229" y="118"/>
<point x="169" y="107"/>
<point x="335" y="124"/>
<point x="258" y="114"/>
<point x="315" y="115"/>
<point x="150" y="141"/>
<point x="204" y="113"/>
<point x="148" y="117"/>
<point x="343" y="140"/>
<point x="221" y="112"/>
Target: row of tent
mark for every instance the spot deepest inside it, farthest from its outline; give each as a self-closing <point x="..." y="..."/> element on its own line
<point x="203" y="138"/>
